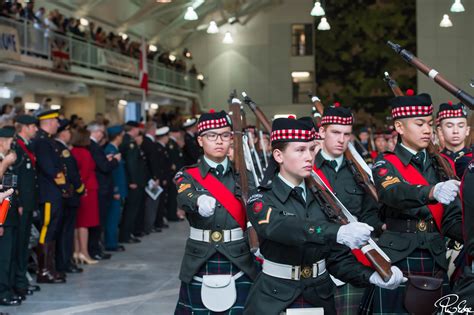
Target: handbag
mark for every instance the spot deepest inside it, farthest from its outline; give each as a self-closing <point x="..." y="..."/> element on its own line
<point x="218" y="292"/>
<point x="421" y="294"/>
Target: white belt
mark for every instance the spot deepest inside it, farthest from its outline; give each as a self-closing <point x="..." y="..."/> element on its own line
<point x="294" y="272"/>
<point x="216" y="236"/>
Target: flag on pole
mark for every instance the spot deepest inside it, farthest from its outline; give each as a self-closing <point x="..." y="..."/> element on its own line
<point x="144" y="67"/>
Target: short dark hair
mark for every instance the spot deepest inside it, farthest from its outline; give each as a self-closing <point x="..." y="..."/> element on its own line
<point x="80" y="137"/>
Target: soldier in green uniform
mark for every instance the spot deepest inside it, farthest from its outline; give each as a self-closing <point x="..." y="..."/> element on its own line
<point x="342" y="177"/>
<point x="27" y="197"/>
<point x="420" y="203"/>
<point x="454" y="128"/>
<point x="299" y="244"/>
<point x="132" y="157"/>
<point x="217" y="267"/>
<point x="8" y="230"/>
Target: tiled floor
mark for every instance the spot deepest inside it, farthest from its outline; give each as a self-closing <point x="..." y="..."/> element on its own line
<point x="141" y="280"/>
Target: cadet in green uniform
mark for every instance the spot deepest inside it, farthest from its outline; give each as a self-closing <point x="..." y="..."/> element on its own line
<point x="299" y="244"/>
<point x="454" y="128"/>
<point x="341" y="176"/>
<point x="420" y="204"/>
<point x="132" y="157"/>
<point x="217" y="267"/>
<point x="27" y="197"/>
<point x="8" y="230"/>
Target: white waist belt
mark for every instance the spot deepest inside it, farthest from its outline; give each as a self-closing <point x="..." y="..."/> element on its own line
<point x="216" y="236"/>
<point x="294" y="272"/>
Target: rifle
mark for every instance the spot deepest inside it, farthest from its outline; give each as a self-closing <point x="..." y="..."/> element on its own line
<point x="336" y="211"/>
<point x="239" y="163"/>
<point x="317" y="109"/>
<point x="362" y="173"/>
<point x="443" y="165"/>
<point x="463" y="96"/>
<point x="258" y="113"/>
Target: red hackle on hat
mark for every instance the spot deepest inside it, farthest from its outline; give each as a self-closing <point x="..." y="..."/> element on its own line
<point x="291" y="117"/>
<point x="450" y="103"/>
<point x="212" y="110"/>
<point x="410" y="92"/>
<point x="337" y="104"/>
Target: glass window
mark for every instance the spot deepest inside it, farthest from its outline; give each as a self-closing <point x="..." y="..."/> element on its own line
<point x="302" y="82"/>
<point x="302" y="39"/>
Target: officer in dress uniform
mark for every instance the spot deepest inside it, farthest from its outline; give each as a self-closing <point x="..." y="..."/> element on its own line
<point x="299" y="243"/>
<point x="52" y="188"/>
<point x="8" y="232"/>
<point x="65" y="243"/>
<point x="341" y="175"/>
<point x="27" y="197"/>
<point x="131" y="155"/>
<point x="216" y="252"/>
<point x="420" y="204"/>
<point x="176" y="158"/>
<point x="165" y="176"/>
<point x="143" y="175"/>
<point x="453" y="125"/>
<point x="191" y="149"/>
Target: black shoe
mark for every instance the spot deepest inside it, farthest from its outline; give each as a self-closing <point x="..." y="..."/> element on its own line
<point x="10" y="302"/>
<point x="136" y="240"/>
<point x="34" y="288"/>
<point x="23" y="292"/>
<point x="74" y="269"/>
<point x="101" y="256"/>
<point x="157" y="230"/>
<point x="119" y="248"/>
<point x="20" y="297"/>
<point x="139" y="234"/>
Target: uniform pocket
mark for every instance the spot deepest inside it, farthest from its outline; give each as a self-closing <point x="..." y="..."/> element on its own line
<point x="196" y="249"/>
<point x="394" y="241"/>
<point x="279" y="289"/>
<point x="237" y="249"/>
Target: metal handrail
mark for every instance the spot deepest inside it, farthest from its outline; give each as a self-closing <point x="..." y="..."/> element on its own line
<point x="36" y="42"/>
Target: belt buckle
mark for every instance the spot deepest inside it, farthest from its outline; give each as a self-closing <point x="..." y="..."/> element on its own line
<point x="217" y="236"/>
<point x="307" y="272"/>
<point x="422" y="226"/>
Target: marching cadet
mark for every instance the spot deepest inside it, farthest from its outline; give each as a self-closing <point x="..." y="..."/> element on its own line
<point x="464" y="287"/>
<point x="453" y="125"/>
<point x="120" y="190"/>
<point x="8" y="233"/>
<point x="191" y="148"/>
<point x="420" y="207"/>
<point x="132" y="157"/>
<point x="52" y="188"/>
<point x="27" y="198"/>
<point x="301" y="247"/>
<point x="217" y="267"/>
<point x="165" y="176"/>
<point x="65" y="243"/>
<point x="340" y="175"/>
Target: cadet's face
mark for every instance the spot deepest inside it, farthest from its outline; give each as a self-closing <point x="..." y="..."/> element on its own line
<point x="296" y="160"/>
<point x="380" y="144"/>
<point x="454" y="130"/>
<point x="336" y="138"/>
<point x="364" y="136"/>
<point x="218" y="148"/>
<point x="416" y="132"/>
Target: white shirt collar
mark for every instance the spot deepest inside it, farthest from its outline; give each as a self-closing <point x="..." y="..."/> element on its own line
<point x="61" y="141"/>
<point x="302" y="185"/>
<point x="150" y="137"/>
<point x="213" y="164"/>
<point x="413" y="151"/>
<point x="338" y="160"/>
<point x="93" y="139"/>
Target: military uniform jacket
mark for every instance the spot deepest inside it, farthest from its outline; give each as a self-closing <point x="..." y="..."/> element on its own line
<point x="468" y="209"/>
<point x="197" y="253"/>
<point x="164" y="162"/>
<point x="131" y="155"/>
<point x="73" y="178"/>
<point x="27" y="185"/>
<point x="296" y="232"/>
<point x="103" y="168"/>
<point x="461" y="159"/>
<point x="176" y="156"/>
<point x="51" y="172"/>
<point x="191" y="149"/>
<point x="151" y="153"/>
<point x="354" y="197"/>
<point x="118" y="174"/>
<point x="405" y="201"/>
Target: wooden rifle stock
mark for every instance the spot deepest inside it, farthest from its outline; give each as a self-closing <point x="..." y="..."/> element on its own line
<point x="432" y="149"/>
<point x="239" y="164"/>
<point x="318" y="108"/>
<point x="258" y="113"/>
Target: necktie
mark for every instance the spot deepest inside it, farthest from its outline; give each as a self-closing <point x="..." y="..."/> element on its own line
<point x="220" y="170"/>
<point x="333" y="164"/>
<point x="419" y="159"/>
<point x="299" y="192"/>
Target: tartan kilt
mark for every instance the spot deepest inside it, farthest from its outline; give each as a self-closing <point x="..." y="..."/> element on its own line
<point x="420" y="262"/>
<point x="189" y="301"/>
<point x="348" y="298"/>
<point x="300" y="302"/>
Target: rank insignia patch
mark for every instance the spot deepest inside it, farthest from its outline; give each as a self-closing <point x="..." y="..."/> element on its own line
<point x="389" y="180"/>
<point x="257" y="206"/>
<point x="382" y="172"/>
<point x="183" y="187"/>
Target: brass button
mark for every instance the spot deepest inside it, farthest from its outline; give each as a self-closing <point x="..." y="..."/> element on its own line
<point x="307" y="272"/>
<point x="422" y="226"/>
<point x="216" y="236"/>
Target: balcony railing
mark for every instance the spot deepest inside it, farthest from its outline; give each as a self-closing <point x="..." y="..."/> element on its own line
<point x="67" y="50"/>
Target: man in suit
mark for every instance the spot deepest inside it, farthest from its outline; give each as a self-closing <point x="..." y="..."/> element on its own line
<point x="27" y="197"/>
<point x="65" y="243"/>
<point x="105" y="164"/>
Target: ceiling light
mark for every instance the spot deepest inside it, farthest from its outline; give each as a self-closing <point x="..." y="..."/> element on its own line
<point x="200" y="77"/>
<point x="172" y="58"/>
<point x="124" y="36"/>
<point x="228" y="38"/>
<point x="55" y="106"/>
<point x="457" y="6"/>
<point x="324" y="25"/>
<point x="122" y="102"/>
<point x="446" y="22"/>
<point x="190" y="14"/>
<point x="152" y="48"/>
<point x="300" y="74"/>
<point x="5" y="92"/>
<point x="213" y="28"/>
<point x="154" y="106"/>
<point x="163" y="1"/>
<point x="84" y="22"/>
<point x="317" y="9"/>
<point x="32" y="106"/>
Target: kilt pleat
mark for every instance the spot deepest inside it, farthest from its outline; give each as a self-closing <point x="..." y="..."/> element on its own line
<point x="348" y="298"/>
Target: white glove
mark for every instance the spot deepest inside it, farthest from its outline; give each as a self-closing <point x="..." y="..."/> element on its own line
<point x="446" y="192"/>
<point x="392" y="283"/>
<point x="354" y="235"/>
<point x="206" y="205"/>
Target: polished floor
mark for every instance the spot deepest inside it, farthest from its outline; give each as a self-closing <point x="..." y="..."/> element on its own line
<point x="141" y="280"/>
